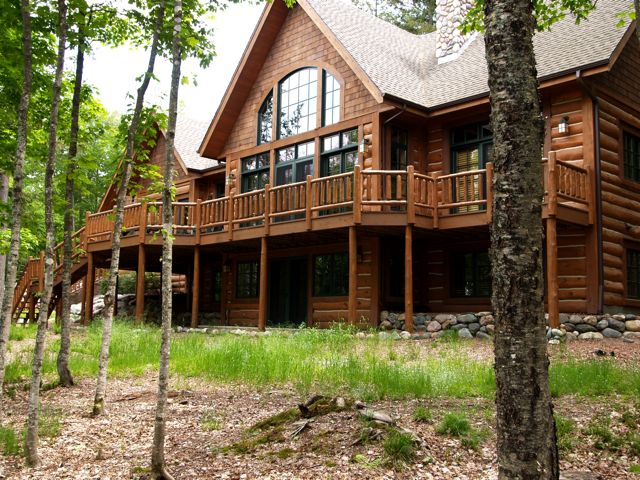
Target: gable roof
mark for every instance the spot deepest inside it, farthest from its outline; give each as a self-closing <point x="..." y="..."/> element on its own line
<point x="189" y="134"/>
<point x="393" y="63"/>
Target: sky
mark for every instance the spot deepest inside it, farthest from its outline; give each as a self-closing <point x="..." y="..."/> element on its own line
<point x="114" y="70"/>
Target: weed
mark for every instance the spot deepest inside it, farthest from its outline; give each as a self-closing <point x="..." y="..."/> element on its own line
<point x="361" y="459"/>
<point x="284" y="453"/>
<point x="564" y="431"/>
<point x="210" y="422"/>
<point x="20" y="332"/>
<point x="399" y="449"/>
<point x="634" y="468"/>
<point x="474" y="438"/>
<point x="454" y="424"/>
<point x="10" y="441"/>
<point x="422" y="414"/>
<point x="49" y="423"/>
<point x="630" y="420"/>
<point x="449" y="336"/>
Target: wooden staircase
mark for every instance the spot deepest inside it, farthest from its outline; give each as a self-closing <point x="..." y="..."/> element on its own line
<point x="26" y="298"/>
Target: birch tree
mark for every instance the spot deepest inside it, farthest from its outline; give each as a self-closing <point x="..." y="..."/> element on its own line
<point x="31" y="441"/>
<point x="158" y="467"/>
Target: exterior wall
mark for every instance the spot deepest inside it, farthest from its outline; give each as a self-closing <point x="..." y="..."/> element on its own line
<point x="300" y="43"/>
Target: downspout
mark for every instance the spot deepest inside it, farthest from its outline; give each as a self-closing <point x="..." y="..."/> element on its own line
<point x="598" y="173"/>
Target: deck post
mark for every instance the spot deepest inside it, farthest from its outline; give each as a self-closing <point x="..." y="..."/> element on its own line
<point x="308" y="214"/>
<point x="195" y="287"/>
<point x="408" y="279"/>
<point x="357" y="194"/>
<point x="353" y="275"/>
<point x="262" y="306"/>
<point x="553" y="305"/>
<point x="88" y="306"/>
<point x="411" y="205"/>
<point x="267" y="208"/>
<point x="140" y="283"/>
<point x="434" y="200"/>
<point x="32" y="308"/>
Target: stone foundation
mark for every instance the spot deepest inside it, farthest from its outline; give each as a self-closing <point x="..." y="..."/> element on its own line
<point x="481" y="325"/>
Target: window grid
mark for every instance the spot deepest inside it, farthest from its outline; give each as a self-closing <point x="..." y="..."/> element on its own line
<point x="247" y="279"/>
<point x="265" y="120"/>
<point x="331" y="275"/>
<point x="631" y="157"/>
<point x="255" y="172"/>
<point x="331" y="100"/>
<point x="471" y="275"/>
<point x="298" y="95"/>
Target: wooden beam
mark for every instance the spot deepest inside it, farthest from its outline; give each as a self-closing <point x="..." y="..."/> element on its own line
<point x="408" y="279"/>
<point x="262" y="306"/>
<point x="195" y="287"/>
<point x="91" y="272"/>
<point x="32" y="308"/>
<point x="353" y="275"/>
<point x="140" y="284"/>
<point x="552" y="273"/>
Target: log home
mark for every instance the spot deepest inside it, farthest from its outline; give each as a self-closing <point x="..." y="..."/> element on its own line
<point x="348" y="171"/>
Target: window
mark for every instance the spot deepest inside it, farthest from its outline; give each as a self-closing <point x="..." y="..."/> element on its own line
<point x="471" y="275"/>
<point x="265" y="120"/>
<point x="631" y="157"/>
<point x="331" y="275"/>
<point x="331" y="100"/>
<point x="294" y="163"/>
<point x="247" y="279"/>
<point x="339" y="153"/>
<point x="399" y="148"/>
<point x="298" y="95"/>
<point x="633" y="274"/>
<point x="255" y="172"/>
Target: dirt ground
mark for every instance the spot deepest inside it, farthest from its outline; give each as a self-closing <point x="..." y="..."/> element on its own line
<point x="204" y="418"/>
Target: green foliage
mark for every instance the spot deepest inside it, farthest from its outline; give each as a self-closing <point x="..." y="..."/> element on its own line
<point x="398" y="448"/>
<point x="454" y="424"/>
<point x="210" y="422"/>
<point x="414" y="16"/>
<point x="10" y="441"/>
<point x="422" y="414"/>
<point x="49" y="423"/>
<point x="634" y="468"/>
<point x="22" y="331"/>
<point x="565" y="432"/>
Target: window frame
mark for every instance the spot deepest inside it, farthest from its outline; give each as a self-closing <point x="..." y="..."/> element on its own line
<point x="295" y="162"/>
<point x="342" y="292"/>
<point x="261" y="110"/>
<point x="244" y="172"/>
<point x="253" y="284"/>
<point x="630" y="247"/>
<point x="341" y="150"/>
<point x="634" y="135"/>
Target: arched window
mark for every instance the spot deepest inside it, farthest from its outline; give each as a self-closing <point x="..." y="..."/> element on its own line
<point x="298" y="96"/>
<point x="331" y="100"/>
<point x="265" y="120"/>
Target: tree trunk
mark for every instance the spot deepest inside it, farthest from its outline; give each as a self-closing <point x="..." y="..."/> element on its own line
<point x="127" y="165"/>
<point x="158" y="467"/>
<point x="4" y="196"/>
<point x="526" y="440"/>
<point x="31" y="441"/>
<point x="18" y="180"/>
<point x="636" y="9"/>
<point x="66" y="379"/>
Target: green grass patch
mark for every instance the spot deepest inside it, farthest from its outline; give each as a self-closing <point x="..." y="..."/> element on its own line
<point x="399" y="449"/>
<point x="634" y="468"/>
<point x="20" y="332"/>
<point x="565" y="432"/>
<point x="422" y="414"/>
<point x="210" y="422"/>
<point x="457" y="425"/>
<point x="10" y="441"/>
<point x="331" y="361"/>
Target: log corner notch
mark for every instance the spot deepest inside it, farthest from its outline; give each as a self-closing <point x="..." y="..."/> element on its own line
<point x="552" y="244"/>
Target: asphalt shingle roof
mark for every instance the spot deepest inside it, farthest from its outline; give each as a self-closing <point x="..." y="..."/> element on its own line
<point x="404" y="65"/>
<point x="189" y="135"/>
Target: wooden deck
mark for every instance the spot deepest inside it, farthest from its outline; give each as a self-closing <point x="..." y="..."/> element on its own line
<point x="360" y="198"/>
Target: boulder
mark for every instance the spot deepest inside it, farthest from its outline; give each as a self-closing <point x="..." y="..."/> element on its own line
<point x="445" y="317"/>
<point x="420" y="319"/>
<point x="569" y="327"/>
<point x="467" y="318"/>
<point x="630" y="316"/>
<point x="590" y="336"/>
<point x="386" y="325"/>
<point x="602" y="324"/>
<point x="611" y="333"/>
<point x="631" y="334"/>
<point x="589" y="320"/>
<point x="464" y="333"/>
<point x="575" y="319"/>
<point x="487" y="320"/>
<point x="617" y="325"/>
<point x="632" y="325"/>
<point x="564" y="318"/>
<point x="458" y="326"/>
<point x="490" y="329"/>
<point x="474" y="328"/>
<point x="555" y="332"/>
<point x="434" y="326"/>
<point x="483" y="336"/>
<point x="620" y="316"/>
<point x="484" y="314"/>
<point x="584" y="328"/>
<point x="405" y="335"/>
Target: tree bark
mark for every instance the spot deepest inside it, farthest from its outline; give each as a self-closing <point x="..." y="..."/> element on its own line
<point x="64" y="374"/>
<point x="4" y="196"/>
<point x="526" y="438"/>
<point x="158" y="467"/>
<point x="31" y="441"/>
<point x="18" y="180"/>
<point x="127" y="166"/>
<point x="636" y="9"/>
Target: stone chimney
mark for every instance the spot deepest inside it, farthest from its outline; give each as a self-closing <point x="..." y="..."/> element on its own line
<point x="449" y="17"/>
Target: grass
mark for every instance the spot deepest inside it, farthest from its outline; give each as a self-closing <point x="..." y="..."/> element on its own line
<point x="10" y="441"/>
<point x="210" y="422"/>
<point x="21" y="332"/>
<point x="457" y="425"/>
<point x="398" y="448"/>
<point x="331" y="361"/>
<point x="422" y="414"/>
<point x="565" y="431"/>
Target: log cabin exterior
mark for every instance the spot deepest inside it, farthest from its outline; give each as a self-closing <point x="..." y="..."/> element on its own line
<point x="348" y="171"/>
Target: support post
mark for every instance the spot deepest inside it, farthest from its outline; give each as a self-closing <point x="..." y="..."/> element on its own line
<point x="408" y="279"/>
<point x="552" y="273"/>
<point x="88" y="306"/>
<point x="353" y="275"/>
<point x="140" y="284"/>
<point x="32" y="308"/>
<point x="262" y="307"/>
<point x="411" y="206"/>
<point x="357" y="195"/>
<point x="195" y="288"/>
<point x="434" y="200"/>
<point x="308" y="201"/>
<point x="267" y="208"/>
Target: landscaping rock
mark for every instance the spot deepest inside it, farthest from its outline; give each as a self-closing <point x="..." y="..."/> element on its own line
<point x="628" y="340"/>
<point x="361" y="335"/>
<point x="467" y="318"/>
<point x="584" y="328"/>
<point x="464" y="333"/>
<point x="621" y="316"/>
<point x="386" y="325"/>
<point x="490" y="329"/>
<point x="384" y="316"/>
<point x="445" y="317"/>
<point x="487" y="320"/>
<point x="632" y="325"/>
<point x="554" y="341"/>
<point x="420" y="320"/>
<point x="589" y="320"/>
<point x="630" y="316"/>
<point x="602" y="324"/>
<point x="564" y="318"/>
<point x="474" y="328"/>
<point x="631" y="334"/>
<point x="590" y="336"/>
<point x="405" y="335"/>
<point x="421" y="328"/>
<point x="611" y="333"/>
<point x="555" y="332"/>
<point x="617" y="325"/>
<point x="458" y="326"/>
<point x="575" y="319"/>
<point x="434" y="326"/>
<point x="483" y="336"/>
<point x="569" y="327"/>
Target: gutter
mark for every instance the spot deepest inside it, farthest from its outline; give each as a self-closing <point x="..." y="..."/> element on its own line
<point x="598" y="173"/>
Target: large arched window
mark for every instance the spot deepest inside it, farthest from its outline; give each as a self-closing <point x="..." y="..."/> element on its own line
<point x="298" y="102"/>
<point x="265" y="120"/>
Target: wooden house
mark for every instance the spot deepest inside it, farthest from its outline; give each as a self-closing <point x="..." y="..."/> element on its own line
<point x="348" y="171"/>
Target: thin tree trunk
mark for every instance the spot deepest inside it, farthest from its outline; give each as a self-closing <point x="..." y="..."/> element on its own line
<point x="636" y="9"/>
<point x="66" y="379"/>
<point x="101" y="384"/>
<point x="4" y="196"/>
<point x="31" y="441"/>
<point x="526" y="440"/>
<point x="18" y="180"/>
<point x="158" y="466"/>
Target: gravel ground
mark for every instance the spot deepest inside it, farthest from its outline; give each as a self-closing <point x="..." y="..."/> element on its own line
<point x="117" y="445"/>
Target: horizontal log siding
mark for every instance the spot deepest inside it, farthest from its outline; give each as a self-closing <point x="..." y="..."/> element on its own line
<point x="299" y="41"/>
